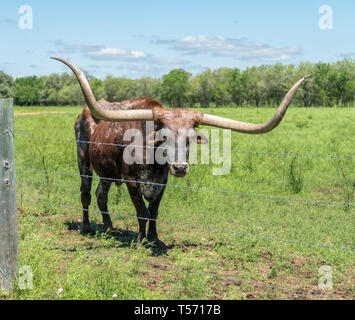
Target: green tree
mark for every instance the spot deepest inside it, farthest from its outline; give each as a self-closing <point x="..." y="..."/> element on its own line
<point x="306" y="93"/>
<point x="7" y="86"/>
<point x="250" y="79"/>
<point x="28" y="90"/>
<point x="345" y="81"/>
<point x="70" y="95"/>
<point x="97" y="87"/>
<point x="202" y="88"/>
<point x="222" y="81"/>
<point x="236" y="86"/>
<point x="119" y="89"/>
<point x="147" y="87"/>
<point x="175" y="86"/>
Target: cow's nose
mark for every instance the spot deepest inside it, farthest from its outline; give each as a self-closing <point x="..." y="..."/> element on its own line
<point x="180" y="167"/>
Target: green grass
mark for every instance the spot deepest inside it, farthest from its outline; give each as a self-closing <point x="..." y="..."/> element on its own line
<point x="95" y="266"/>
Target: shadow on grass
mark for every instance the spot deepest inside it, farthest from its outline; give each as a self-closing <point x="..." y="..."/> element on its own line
<point x="124" y="238"/>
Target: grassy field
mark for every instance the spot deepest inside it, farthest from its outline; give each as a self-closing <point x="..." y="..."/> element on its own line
<point x="277" y="246"/>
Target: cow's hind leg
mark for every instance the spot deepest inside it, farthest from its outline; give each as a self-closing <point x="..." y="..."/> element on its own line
<point x="85" y="189"/>
<point x="102" y="197"/>
<point x="85" y="171"/>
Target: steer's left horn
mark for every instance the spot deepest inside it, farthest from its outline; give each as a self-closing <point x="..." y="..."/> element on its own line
<point x="97" y="110"/>
<point x="244" y="127"/>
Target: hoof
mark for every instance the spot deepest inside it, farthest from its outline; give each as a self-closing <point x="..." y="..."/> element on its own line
<point x="140" y="241"/>
<point x="108" y="227"/>
<point x="85" y="228"/>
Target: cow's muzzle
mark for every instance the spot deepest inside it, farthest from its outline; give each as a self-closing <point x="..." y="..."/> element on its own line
<point x="179" y="169"/>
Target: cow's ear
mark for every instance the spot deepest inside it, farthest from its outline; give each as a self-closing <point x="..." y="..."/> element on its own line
<point x="152" y="139"/>
<point x="200" y="138"/>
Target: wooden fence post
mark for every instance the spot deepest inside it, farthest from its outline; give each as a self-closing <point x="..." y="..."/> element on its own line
<point x="8" y="208"/>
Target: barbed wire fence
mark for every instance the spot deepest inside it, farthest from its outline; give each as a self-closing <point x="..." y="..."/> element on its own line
<point x="288" y="291"/>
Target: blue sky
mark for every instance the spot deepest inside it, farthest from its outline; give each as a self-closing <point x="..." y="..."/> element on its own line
<point x="148" y="38"/>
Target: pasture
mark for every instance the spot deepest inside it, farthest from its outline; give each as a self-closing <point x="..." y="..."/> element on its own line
<point x="220" y="245"/>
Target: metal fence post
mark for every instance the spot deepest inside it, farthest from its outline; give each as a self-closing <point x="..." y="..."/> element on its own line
<point x="8" y="208"/>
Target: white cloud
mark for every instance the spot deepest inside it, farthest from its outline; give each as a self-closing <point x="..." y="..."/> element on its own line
<point x="134" y="63"/>
<point x="238" y="48"/>
<point x="102" y="53"/>
<point x="77" y="48"/>
<point x="117" y="54"/>
<point x="134" y="56"/>
<point x="172" y="62"/>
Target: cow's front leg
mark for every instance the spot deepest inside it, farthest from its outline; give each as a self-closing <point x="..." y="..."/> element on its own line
<point x="153" y="214"/>
<point x="142" y="211"/>
<point x="101" y="195"/>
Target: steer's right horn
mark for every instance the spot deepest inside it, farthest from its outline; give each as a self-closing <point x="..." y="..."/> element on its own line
<point x="100" y="112"/>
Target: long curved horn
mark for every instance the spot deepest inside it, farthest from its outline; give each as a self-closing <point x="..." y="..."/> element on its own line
<point x="97" y="110"/>
<point x="244" y="127"/>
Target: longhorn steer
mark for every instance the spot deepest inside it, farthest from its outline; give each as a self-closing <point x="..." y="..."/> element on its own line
<point x="100" y="134"/>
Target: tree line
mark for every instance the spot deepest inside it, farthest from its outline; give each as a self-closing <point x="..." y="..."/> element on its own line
<point x="332" y="84"/>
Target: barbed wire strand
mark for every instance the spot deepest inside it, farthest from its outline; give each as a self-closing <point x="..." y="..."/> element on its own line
<point x="195" y="149"/>
<point x="182" y="269"/>
<point x="347" y="204"/>
<point x="194" y="226"/>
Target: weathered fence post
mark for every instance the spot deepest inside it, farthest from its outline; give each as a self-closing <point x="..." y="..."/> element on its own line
<point x="8" y="209"/>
